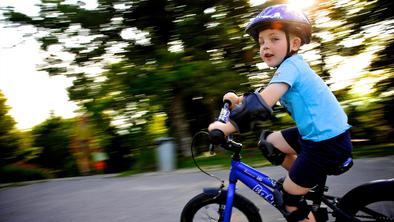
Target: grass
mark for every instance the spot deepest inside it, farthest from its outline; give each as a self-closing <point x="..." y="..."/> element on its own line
<point x="18" y="173"/>
<point x="222" y="159"/>
<point x="255" y="158"/>
<point x="373" y="150"/>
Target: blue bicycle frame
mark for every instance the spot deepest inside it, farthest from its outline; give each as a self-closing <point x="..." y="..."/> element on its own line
<point x="260" y="183"/>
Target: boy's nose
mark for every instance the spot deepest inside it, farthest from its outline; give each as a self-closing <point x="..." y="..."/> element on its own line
<point x="264" y="46"/>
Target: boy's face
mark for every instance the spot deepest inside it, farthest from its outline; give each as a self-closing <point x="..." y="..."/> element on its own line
<point x="273" y="46"/>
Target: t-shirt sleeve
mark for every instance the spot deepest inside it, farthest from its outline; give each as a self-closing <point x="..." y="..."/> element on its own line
<point x="286" y="73"/>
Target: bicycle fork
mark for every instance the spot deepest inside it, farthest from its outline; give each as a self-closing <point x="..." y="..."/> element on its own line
<point x="229" y="203"/>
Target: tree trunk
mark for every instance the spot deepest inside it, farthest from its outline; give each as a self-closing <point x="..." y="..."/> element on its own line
<point x="181" y="125"/>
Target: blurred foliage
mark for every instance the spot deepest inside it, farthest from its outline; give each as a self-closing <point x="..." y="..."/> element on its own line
<point x="157" y="126"/>
<point x="144" y="37"/>
<point x="9" y="139"/>
<point x="54" y="137"/>
<point x="132" y="61"/>
<point x="17" y="173"/>
<point x="356" y="49"/>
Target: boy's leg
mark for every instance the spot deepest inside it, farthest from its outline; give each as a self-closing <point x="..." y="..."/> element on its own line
<point x="294" y="192"/>
<point x="287" y="141"/>
<point x="277" y="139"/>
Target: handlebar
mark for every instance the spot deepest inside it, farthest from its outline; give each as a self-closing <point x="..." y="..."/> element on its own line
<point x="217" y="136"/>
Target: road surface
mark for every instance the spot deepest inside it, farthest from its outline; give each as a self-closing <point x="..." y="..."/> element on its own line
<point x="149" y="197"/>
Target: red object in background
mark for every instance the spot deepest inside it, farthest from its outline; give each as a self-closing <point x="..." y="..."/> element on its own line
<point x="100" y="165"/>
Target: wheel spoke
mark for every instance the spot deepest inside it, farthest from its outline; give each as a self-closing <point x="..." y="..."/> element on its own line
<point x="210" y="213"/>
<point x="214" y="212"/>
<point x="221" y="210"/>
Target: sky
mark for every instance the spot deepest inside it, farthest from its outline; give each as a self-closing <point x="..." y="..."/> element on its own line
<point x="31" y="95"/>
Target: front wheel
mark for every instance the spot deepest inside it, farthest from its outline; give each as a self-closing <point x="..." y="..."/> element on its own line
<point x="370" y="202"/>
<point x="207" y="207"/>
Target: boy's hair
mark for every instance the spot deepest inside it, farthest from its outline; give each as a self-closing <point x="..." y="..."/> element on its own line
<point x="284" y="18"/>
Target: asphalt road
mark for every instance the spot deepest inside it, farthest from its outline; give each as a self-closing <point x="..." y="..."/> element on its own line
<point x="150" y="197"/>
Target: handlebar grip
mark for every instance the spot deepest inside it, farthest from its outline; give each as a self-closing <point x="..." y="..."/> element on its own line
<point x="225" y="112"/>
<point x="228" y="102"/>
<point x="217" y="137"/>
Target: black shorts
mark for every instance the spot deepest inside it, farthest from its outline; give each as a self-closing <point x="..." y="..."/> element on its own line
<point x="316" y="159"/>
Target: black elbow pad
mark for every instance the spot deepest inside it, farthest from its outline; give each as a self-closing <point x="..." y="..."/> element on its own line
<point x="253" y="108"/>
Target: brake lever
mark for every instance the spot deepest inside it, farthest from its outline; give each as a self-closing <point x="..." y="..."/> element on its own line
<point x="211" y="149"/>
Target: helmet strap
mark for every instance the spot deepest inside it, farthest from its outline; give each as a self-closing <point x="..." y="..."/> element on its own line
<point x="289" y="52"/>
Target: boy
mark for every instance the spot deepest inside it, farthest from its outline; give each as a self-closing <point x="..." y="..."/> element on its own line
<point x="320" y="142"/>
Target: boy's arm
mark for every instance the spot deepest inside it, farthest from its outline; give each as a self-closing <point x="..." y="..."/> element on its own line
<point x="271" y="94"/>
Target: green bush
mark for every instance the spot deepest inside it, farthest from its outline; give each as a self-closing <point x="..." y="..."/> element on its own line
<point x="13" y="173"/>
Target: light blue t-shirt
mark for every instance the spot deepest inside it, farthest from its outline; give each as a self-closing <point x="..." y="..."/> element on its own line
<point x="312" y="105"/>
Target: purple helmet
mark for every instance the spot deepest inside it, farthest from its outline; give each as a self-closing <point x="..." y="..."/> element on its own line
<point x="284" y="17"/>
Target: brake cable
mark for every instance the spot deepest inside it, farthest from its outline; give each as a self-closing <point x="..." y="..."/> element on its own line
<point x="202" y="132"/>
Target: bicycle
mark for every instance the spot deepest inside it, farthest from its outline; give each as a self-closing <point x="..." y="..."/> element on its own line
<point x="362" y="203"/>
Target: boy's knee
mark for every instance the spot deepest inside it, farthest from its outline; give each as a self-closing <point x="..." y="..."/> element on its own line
<point x="272" y="153"/>
<point x="276" y="139"/>
<point x="270" y="136"/>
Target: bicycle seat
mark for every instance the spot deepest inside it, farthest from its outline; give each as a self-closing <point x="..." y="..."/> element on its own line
<point x="345" y="166"/>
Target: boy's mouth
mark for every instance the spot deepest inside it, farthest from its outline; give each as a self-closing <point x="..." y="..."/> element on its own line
<point x="268" y="55"/>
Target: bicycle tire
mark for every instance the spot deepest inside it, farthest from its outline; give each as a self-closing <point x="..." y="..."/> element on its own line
<point x="242" y="207"/>
<point x="370" y="202"/>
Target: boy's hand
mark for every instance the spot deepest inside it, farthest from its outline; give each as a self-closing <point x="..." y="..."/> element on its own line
<point x="233" y="98"/>
<point x="226" y="128"/>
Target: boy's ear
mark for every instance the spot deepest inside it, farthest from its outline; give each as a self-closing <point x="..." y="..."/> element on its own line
<point x="295" y="43"/>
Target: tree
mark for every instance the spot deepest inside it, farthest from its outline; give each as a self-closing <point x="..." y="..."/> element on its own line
<point x="356" y="34"/>
<point x="208" y="33"/>
<point x="179" y="57"/>
<point x="54" y="137"/>
<point x="9" y="140"/>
